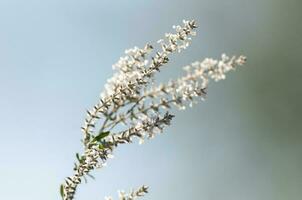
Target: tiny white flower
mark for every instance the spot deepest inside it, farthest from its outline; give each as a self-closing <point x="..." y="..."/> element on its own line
<point x="108" y="198"/>
<point x="110" y="156"/>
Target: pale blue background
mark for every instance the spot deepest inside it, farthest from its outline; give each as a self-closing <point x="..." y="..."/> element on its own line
<point x="243" y="143"/>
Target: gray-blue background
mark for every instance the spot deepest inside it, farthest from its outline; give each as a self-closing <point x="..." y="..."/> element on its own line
<point x="243" y="143"/>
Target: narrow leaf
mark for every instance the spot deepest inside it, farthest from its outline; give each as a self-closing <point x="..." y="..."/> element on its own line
<point x="62" y="191"/>
<point x="100" y="136"/>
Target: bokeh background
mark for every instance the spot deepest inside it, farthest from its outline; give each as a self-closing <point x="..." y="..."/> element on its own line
<point x="244" y="142"/>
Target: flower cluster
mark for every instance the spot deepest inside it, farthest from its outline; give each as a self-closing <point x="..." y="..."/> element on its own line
<point x="133" y="107"/>
<point x="134" y="71"/>
<point x="184" y="90"/>
<point x="134" y="194"/>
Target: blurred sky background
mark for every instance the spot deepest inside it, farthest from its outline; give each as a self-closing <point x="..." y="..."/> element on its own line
<point x="243" y="143"/>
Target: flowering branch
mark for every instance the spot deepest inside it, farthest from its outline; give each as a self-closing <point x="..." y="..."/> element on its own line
<point x="130" y="99"/>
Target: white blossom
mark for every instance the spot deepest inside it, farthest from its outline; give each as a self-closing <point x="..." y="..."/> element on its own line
<point x="132" y="99"/>
<point x="108" y="198"/>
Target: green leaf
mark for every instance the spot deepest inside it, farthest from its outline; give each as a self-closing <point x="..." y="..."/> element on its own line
<point x="79" y="158"/>
<point x="101" y="146"/>
<point x="100" y="136"/>
<point x="62" y="191"/>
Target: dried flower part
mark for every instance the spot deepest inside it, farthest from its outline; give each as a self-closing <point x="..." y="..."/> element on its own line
<point x="143" y="110"/>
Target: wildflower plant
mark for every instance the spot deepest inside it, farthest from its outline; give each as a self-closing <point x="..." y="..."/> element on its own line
<point x="133" y="108"/>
